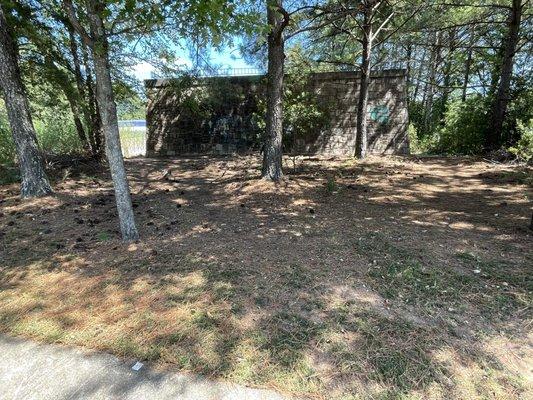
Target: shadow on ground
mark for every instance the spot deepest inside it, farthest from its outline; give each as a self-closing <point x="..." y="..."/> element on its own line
<point x="387" y="277"/>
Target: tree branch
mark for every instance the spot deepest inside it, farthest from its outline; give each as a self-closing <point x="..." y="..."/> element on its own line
<point x="71" y="14"/>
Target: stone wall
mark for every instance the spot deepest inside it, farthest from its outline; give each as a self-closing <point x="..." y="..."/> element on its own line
<point x="223" y="115"/>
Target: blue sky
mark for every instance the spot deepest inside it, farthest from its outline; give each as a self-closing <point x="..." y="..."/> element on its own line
<point x="227" y="57"/>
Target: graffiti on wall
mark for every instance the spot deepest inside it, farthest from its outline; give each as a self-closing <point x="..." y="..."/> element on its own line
<point x="380" y="114"/>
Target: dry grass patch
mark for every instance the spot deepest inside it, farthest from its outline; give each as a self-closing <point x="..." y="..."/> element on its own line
<point x="387" y="279"/>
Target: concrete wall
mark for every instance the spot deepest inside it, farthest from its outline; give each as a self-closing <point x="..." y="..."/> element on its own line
<point x="223" y="115"/>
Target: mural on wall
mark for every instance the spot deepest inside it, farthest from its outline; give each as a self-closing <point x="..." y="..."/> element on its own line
<point x="380" y="114"/>
<point x="226" y="115"/>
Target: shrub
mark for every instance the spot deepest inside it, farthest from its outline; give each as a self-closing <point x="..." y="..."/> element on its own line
<point x="523" y="150"/>
<point x="419" y="144"/>
<point x="55" y="130"/>
<point x="57" y="133"/>
<point x="463" y="127"/>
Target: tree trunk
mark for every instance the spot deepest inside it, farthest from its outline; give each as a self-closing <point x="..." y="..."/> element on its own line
<point x="408" y="55"/>
<point x="108" y="113"/>
<point x="499" y="107"/>
<point x="468" y="65"/>
<point x="419" y="75"/>
<point x="63" y="81"/>
<point x="361" y="134"/>
<point x="81" y="91"/>
<point x="92" y="119"/>
<point x="77" y="121"/>
<point x="447" y="78"/>
<point x="431" y="83"/>
<point x="34" y="180"/>
<point x="272" y="155"/>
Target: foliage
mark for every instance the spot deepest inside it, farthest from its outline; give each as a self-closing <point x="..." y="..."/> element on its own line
<point x="55" y="130"/>
<point x="7" y="147"/>
<point x="523" y="150"/>
<point x="459" y="130"/>
<point x="419" y="144"/>
<point x="303" y="115"/>
<point x="519" y="111"/>
<point x="463" y="127"/>
<point x="131" y="107"/>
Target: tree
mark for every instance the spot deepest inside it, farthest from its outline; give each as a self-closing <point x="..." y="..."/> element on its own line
<point x="347" y="33"/>
<point x="376" y="16"/>
<point x="51" y="63"/>
<point x="501" y="100"/>
<point x="34" y="180"/>
<point x="278" y="19"/>
<point x="96" y="39"/>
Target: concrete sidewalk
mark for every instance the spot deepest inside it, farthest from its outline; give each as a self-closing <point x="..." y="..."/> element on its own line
<point x="41" y="371"/>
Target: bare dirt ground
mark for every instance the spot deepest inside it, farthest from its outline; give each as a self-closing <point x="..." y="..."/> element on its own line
<point x="388" y="278"/>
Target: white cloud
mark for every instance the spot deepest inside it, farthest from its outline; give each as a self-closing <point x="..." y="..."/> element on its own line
<point x="143" y="70"/>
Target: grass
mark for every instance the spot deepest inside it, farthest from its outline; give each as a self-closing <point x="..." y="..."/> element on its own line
<point x="359" y="307"/>
<point x="133" y="142"/>
<point x="190" y="320"/>
<point x="400" y="275"/>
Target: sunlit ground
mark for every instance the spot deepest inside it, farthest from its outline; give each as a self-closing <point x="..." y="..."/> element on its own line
<point x="390" y="278"/>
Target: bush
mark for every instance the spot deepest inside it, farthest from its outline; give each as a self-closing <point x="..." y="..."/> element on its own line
<point x="55" y="130"/>
<point x="523" y="150"/>
<point x="419" y="144"/>
<point x="463" y="127"/>
<point x="58" y="135"/>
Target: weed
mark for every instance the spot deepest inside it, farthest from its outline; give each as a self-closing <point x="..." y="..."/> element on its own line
<point x="103" y="236"/>
<point x="331" y="185"/>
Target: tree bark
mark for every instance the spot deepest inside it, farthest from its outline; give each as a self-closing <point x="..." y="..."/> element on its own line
<point x="272" y="151"/>
<point x="408" y="83"/>
<point x="361" y="138"/>
<point x="501" y="101"/>
<point x="63" y="81"/>
<point x="108" y="111"/>
<point x="432" y="81"/>
<point x="108" y="114"/>
<point x="468" y="65"/>
<point x="34" y="180"/>
<point x="93" y="119"/>
<point x="81" y="91"/>
<point x="76" y="117"/>
<point x="447" y="73"/>
<point x="419" y="75"/>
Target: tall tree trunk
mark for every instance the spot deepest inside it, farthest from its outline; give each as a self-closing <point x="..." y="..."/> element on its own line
<point x="468" y="64"/>
<point x="34" y="180"/>
<point x="273" y="148"/>
<point x="92" y="119"/>
<point x="499" y="107"/>
<point x="76" y="117"/>
<point x="408" y="55"/>
<point x="108" y="113"/>
<point x="419" y="75"/>
<point x="361" y="134"/>
<point x="63" y="81"/>
<point x="431" y="83"/>
<point x="81" y="91"/>
<point x="447" y="78"/>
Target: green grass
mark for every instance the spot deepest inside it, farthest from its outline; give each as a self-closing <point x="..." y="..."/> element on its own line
<point x="133" y="142"/>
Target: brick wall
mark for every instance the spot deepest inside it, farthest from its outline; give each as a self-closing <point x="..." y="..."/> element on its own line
<point x="221" y="115"/>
